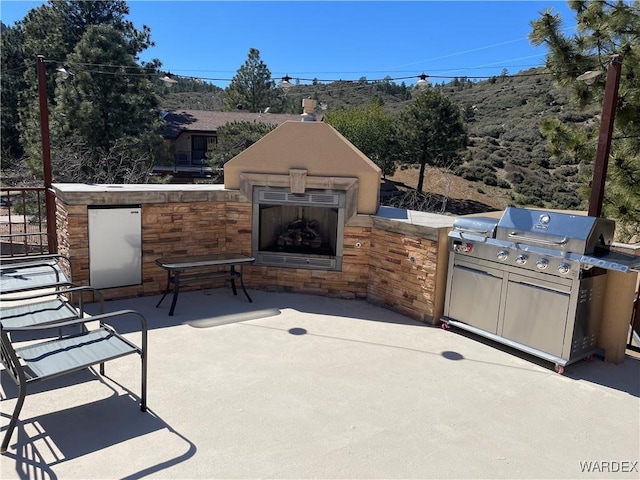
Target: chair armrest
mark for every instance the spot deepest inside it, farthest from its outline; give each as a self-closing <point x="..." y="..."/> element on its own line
<point x="21" y="266"/>
<point x="17" y="263"/>
<point x="35" y="288"/>
<point x="72" y="288"/>
<point x="68" y="323"/>
<point x="29" y="259"/>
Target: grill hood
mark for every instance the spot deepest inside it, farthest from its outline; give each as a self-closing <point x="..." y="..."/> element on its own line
<point x="577" y="234"/>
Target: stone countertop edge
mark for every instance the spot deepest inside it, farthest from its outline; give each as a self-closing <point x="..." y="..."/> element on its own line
<point x="114" y="195"/>
<point x="407" y="222"/>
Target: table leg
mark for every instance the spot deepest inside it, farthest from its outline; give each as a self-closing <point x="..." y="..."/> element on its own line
<point x="242" y="285"/>
<point x="233" y="274"/>
<point x="166" y="290"/>
<point x="176" y="289"/>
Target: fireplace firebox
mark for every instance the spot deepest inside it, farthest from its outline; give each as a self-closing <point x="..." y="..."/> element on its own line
<point x="298" y="230"/>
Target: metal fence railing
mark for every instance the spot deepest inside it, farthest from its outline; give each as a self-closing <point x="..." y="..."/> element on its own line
<point x="23" y="221"/>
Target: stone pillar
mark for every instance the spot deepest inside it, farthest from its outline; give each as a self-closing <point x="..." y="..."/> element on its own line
<point x="616" y="315"/>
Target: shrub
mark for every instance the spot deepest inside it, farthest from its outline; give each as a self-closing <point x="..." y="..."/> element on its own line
<point x="475" y="170"/>
<point x="566" y="171"/>
<point x="515" y="177"/>
<point x="531" y="201"/>
<point x="565" y="200"/>
<point x="490" y="180"/>
<point x="496" y="161"/>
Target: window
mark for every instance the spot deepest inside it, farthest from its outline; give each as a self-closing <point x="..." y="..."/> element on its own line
<point x="200" y="145"/>
<point x="198" y="148"/>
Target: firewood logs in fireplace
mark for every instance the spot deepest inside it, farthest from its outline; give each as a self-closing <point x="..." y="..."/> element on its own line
<point x="300" y="233"/>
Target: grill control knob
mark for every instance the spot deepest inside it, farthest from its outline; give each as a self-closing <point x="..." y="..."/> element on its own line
<point x="542" y="264"/>
<point x="502" y="255"/>
<point x="564" y="268"/>
<point x="521" y="259"/>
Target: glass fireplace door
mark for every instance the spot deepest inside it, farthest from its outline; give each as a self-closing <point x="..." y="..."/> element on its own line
<point x="298" y="230"/>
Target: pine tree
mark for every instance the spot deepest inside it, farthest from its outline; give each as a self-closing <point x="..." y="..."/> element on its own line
<point x="55" y="30"/>
<point x="12" y="67"/>
<point x="252" y="88"/>
<point x="431" y="132"/>
<point x="603" y="29"/>
<point x="103" y="107"/>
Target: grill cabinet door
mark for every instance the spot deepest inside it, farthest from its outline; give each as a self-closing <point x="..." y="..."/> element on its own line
<point x="475" y="297"/>
<point x="535" y="314"/>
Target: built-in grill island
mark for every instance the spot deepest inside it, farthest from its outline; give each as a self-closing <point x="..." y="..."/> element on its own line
<point x="533" y="280"/>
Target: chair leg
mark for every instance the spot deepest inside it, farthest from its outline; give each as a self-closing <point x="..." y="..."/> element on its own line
<point x="143" y="396"/>
<point x="22" y="392"/>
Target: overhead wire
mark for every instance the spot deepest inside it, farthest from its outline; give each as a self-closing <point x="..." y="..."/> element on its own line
<point x="104" y="70"/>
<point x="449" y="73"/>
<point x="327" y="85"/>
<point x="474" y="50"/>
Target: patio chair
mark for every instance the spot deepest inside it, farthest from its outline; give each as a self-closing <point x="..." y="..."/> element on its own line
<point x="43" y="360"/>
<point x="19" y="274"/>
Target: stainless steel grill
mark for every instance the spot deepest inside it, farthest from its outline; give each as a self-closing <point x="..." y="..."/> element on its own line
<point x="533" y="280"/>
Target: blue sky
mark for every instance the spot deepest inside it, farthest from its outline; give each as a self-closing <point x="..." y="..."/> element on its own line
<point x="338" y="40"/>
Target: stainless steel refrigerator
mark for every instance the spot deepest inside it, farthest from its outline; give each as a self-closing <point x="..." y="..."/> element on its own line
<point x="115" y="246"/>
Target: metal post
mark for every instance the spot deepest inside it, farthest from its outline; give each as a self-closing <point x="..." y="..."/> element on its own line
<point x="604" y="140"/>
<point x="50" y="199"/>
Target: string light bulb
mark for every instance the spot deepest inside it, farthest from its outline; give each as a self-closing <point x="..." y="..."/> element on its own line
<point x="64" y="73"/>
<point x="589" y="77"/>
<point x="285" y="82"/>
<point x="423" y="82"/>
<point x="168" y="81"/>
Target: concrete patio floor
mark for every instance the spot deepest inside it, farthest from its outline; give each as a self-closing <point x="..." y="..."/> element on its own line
<point x="297" y="386"/>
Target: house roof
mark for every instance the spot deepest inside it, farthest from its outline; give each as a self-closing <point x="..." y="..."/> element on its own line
<point x="179" y="121"/>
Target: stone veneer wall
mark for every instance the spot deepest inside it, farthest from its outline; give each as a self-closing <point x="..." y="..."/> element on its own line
<point x="390" y="263"/>
<point x="73" y="241"/>
<point x="408" y="269"/>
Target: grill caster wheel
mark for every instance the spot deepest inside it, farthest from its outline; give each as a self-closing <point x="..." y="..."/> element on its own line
<point x="559" y="369"/>
<point x="444" y="326"/>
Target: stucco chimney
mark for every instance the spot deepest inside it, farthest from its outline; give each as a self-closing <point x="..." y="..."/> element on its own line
<point x="308" y="107"/>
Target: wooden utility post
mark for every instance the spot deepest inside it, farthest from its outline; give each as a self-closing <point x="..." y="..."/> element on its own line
<point x="50" y="199"/>
<point x="604" y="140"/>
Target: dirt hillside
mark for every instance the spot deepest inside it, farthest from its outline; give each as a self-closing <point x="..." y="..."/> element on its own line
<point x="462" y="196"/>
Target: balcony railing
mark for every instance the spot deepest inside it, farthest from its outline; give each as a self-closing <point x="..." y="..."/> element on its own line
<point x="23" y="221"/>
<point x="186" y="164"/>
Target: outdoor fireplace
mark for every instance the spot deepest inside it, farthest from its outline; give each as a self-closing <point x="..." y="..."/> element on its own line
<point x="305" y="183"/>
<point x="298" y="230"/>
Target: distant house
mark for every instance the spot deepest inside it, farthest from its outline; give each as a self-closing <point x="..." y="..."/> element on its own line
<point x="190" y="134"/>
